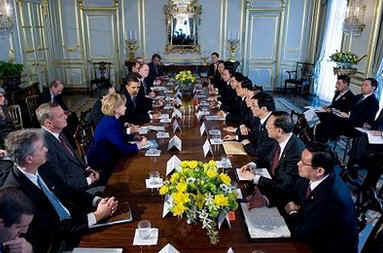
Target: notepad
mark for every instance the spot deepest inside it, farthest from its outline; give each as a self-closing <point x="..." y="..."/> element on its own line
<point x="234" y="148"/>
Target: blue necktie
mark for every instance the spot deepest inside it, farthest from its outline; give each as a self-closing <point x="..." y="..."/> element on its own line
<point x="134" y="101"/>
<point x="61" y="212"/>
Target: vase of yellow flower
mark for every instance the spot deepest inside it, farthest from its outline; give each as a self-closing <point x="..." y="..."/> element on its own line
<point x="199" y="192"/>
<point x="186" y="79"/>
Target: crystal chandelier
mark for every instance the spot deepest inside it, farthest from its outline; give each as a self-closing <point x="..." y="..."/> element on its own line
<point x="6" y="22"/>
<point x="354" y="21"/>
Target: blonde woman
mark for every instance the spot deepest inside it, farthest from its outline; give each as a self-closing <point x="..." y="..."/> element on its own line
<point x="110" y="138"/>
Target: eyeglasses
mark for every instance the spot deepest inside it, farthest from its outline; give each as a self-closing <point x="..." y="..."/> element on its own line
<point x="306" y="164"/>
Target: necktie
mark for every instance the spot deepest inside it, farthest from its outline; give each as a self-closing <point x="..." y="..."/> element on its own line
<point x="60" y="210"/>
<point x="275" y="160"/>
<point x="360" y="100"/>
<point x="66" y="145"/>
<point x="134" y="101"/>
<point x="308" y="191"/>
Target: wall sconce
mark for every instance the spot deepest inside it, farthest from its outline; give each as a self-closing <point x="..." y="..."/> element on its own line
<point x="354" y="21"/>
<point x="6" y="22"/>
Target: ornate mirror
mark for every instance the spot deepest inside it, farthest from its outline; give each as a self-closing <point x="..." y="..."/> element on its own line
<point x="182" y="23"/>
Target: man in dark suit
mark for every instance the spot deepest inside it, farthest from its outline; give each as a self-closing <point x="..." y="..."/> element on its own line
<point x="213" y="67"/>
<point x="60" y="212"/>
<point x="282" y="162"/>
<point x="155" y="70"/>
<point x="363" y="111"/>
<point x="6" y="125"/>
<point x="63" y="162"/>
<point x="320" y="209"/>
<point x="136" y="106"/>
<point x="53" y="94"/>
<point x="16" y="214"/>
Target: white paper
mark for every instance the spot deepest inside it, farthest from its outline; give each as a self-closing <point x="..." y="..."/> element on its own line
<point x="168" y="203"/>
<point x="214" y="132"/>
<point x="372" y="139"/>
<point x="168" y="249"/>
<point x="156" y="128"/>
<point x="164" y="116"/>
<point x="176" y="126"/>
<point x="166" y="121"/>
<point x="207" y="148"/>
<point x="151" y="185"/>
<point x="202" y="129"/>
<point x="175" y="142"/>
<point x="216" y="141"/>
<point x="97" y="250"/>
<point x="214" y="117"/>
<point x="162" y="135"/>
<point x="262" y="172"/>
<point x="153" y="152"/>
<point x="172" y="164"/>
<point x="152" y="240"/>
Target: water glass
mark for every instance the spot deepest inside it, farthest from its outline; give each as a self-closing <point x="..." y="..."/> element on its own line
<point x="154" y="177"/>
<point x="144" y="229"/>
<point x="225" y="162"/>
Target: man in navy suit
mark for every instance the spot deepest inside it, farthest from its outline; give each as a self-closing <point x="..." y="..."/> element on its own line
<point x="60" y="212"/>
<point x="363" y="111"/>
<point x="213" y="67"/>
<point x="320" y="210"/>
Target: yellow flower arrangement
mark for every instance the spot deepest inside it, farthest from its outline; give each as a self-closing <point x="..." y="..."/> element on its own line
<point x="198" y="190"/>
<point x="185" y="77"/>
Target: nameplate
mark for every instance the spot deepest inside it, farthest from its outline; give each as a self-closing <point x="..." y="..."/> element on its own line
<point x="207" y="148"/>
<point x="176" y="126"/>
<point x="176" y="114"/>
<point x="202" y="129"/>
<point x="175" y="142"/>
<point x="222" y="218"/>
<point x="173" y="163"/>
<point x="168" y="203"/>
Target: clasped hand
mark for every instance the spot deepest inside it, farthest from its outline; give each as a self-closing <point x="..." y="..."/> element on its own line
<point x="105" y="208"/>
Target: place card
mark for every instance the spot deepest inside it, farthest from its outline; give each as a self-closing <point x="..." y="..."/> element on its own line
<point x="175" y="142"/>
<point x="165" y="120"/>
<point x="202" y="129"/>
<point x="176" y="126"/>
<point x="222" y="218"/>
<point x="215" y="132"/>
<point x="168" y="203"/>
<point x="168" y="249"/>
<point x="152" y="240"/>
<point x="153" y="152"/>
<point x="176" y="113"/>
<point x="198" y="114"/>
<point x="172" y="164"/>
<point x="216" y="141"/>
<point x="153" y="185"/>
<point x="162" y="135"/>
<point x="207" y="148"/>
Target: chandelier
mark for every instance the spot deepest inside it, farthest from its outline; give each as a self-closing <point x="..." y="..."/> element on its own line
<point x="6" y="22"/>
<point x="354" y="21"/>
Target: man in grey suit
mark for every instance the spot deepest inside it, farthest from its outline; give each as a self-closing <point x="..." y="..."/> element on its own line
<point x="62" y="159"/>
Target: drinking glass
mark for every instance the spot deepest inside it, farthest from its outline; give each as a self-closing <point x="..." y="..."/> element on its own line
<point x="154" y="177"/>
<point x="144" y="229"/>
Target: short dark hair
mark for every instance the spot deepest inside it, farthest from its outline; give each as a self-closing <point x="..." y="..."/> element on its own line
<point x="54" y="83"/>
<point x="345" y="79"/>
<point x="13" y="204"/>
<point x="373" y="82"/>
<point x="19" y="144"/>
<point x="132" y="78"/>
<point x="231" y="72"/>
<point x="247" y="83"/>
<point x="156" y="56"/>
<point x="238" y="76"/>
<point x="283" y="121"/>
<point x="322" y="156"/>
<point x="265" y="100"/>
<point x="216" y="54"/>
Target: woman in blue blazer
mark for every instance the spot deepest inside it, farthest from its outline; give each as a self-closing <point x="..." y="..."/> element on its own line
<point x="110" y="137"/>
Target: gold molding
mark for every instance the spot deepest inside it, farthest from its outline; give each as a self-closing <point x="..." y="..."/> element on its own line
<point x="317" y="11"/>
<point x="182" y="49"/>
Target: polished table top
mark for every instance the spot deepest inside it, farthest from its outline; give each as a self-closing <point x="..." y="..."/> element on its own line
<point x="128" y="184"/>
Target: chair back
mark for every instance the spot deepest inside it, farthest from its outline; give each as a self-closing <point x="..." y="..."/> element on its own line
<point x="5" y="168"/>
<point x="15" y="115"/>
<point x="301" y="127"/>
<point x="305" y="71"/>
<point x="102" y="70"/>
<point x="83" y="137"/>
<point x="32" y="103"/>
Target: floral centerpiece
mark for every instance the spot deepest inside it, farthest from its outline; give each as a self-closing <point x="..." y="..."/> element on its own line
<point x="345" y="61"/>
<point x="185" y="77"/>
<point x="198" y="191"/>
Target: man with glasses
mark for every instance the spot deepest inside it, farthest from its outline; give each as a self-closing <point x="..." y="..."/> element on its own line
<point x="320" y="210"/>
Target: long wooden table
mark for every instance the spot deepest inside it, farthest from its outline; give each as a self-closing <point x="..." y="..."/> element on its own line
<point x="128" y="184"/>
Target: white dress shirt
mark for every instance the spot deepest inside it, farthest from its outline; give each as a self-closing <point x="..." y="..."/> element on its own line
<point x="314" y="184"/>
<point x="341" y="94"/>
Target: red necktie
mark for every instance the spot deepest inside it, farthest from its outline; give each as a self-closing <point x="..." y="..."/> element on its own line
<point x="66" y="145"/>
<point x="275" y="163"/>
<point x="308" y="191"/>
